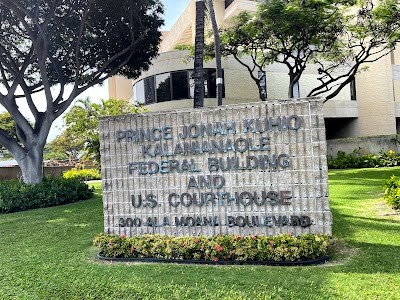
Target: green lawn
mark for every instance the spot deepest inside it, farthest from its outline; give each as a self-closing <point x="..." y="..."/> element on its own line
<point x="47" y="254"/>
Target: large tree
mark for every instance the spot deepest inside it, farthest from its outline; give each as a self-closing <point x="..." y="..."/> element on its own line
<point x="339" y="36"/>
<point x="46" y="45"/>
<point x="290" y="33"/>
<point x="372" y="30"/>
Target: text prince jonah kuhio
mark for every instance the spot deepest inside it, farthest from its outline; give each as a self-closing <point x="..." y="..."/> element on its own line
<point x="212" y="145"/>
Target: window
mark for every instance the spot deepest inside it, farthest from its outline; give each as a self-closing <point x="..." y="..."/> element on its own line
<point x="228" y="2"/>
<point x="173" y="86"/>
<point x="149" y="90"/>
<point x="191" y="84"/>
<point x="180" y="85"/>
<point x="138" y="93"/>
<point x="296" y="90"/>
<point x="353" y="92"/>
<point x="210" y="83"/>
<point x="163" y="84"/>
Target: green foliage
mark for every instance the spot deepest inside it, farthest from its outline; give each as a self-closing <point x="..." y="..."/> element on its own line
<point x="50" y="155"/>
<point x="338" y="37"/>
<point x="391" y="189"/>
<point x="222" y="247"/>
<point x="64" y="146"/>
<point x="185" y="47"/>
<point x="112" y="32"/>
<point x="283" y="32"/>
<point x="358" y="159"/>
<point x="7" y="125"/>
<point x="83" y="174"/>
<point x="58" y="43"/>
<point x="82" y="123"/>
<point x="16" y="195"/>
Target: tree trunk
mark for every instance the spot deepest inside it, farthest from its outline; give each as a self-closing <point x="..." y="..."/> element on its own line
<point x="198" y="56"/>
<point x="260" y="91"/>
<point x="291" y="85"/>
<point x="290" y="92"/>
<point x="262" y="85"/>
<point x="217" y="49"/>
<point x="29" y="155"/>
<point x="32" y="166"/>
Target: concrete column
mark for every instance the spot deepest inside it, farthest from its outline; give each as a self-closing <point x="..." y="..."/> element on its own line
<point x="375" y="98"/>
<point x="120" y="88"/>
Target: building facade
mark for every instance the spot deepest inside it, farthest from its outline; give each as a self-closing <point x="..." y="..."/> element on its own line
<point x="371" y="106"/>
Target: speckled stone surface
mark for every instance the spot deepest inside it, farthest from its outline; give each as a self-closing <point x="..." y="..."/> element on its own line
<point x="157" y="181"/>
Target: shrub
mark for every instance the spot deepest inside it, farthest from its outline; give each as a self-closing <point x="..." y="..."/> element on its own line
<point x="215" y="248"/>
<point x="84" y="174"/>
<point x="392" y="192"/>
<point x="52" y="191"/>
<point x="357" y="159"/>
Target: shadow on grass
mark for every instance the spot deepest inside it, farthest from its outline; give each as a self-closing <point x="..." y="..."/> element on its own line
<point x="374" y="222"/>
<point x="351" y="226"/>
<point x="377" y="241"/>
<point x="374" y="258"/>
<point x="354" y="204"/>
<point x="361" y="177"/>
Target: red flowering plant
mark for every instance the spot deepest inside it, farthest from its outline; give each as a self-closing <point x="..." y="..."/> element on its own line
<point x="221" y="248"/>
<point x="215" y="248"/>
<point x="189" y="247"/>
<point x="150" y="246"/>
<point x="114" y="245"/>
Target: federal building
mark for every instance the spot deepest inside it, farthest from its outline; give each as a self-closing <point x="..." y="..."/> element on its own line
<point x="367" y="107"/>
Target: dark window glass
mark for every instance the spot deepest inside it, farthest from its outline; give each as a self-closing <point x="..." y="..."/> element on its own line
<point x="228" y="2"/>
<point x="210" y="83"/>
<point x="174" y="86"/>
<point x="353" y="92"/>
<point x="180" y="85"/>
<point x="191" y="84"/>
<point x="211" y="77"/>
<point x="149" y="90"/>
<point x="223" y="84"/>
<point x="163" y="84"/>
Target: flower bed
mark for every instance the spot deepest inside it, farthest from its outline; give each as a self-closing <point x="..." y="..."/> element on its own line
<point x="280" y="248"/>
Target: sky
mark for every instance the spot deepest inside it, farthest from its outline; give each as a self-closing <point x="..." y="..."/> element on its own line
<point x="172" y="10"/>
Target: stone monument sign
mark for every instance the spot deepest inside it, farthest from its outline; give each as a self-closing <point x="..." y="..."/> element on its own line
<point x="248" y="169"/>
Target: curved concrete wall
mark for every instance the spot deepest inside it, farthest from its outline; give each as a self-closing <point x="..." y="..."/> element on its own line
<point x="240" y="88"/>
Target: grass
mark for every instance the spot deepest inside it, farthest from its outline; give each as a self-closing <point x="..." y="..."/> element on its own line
<point x="47" y="254"/>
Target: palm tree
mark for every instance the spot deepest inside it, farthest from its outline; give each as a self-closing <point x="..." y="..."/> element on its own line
<point x="198" y="56"/>
<point x="217" y="49"/>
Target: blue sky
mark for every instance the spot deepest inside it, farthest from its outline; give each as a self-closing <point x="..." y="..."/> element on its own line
<point x="172" y="11"/>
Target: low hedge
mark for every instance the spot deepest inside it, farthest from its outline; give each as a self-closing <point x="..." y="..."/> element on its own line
<point x="84" y="174"/>
<point x="357" y="159"/>
<point x="215" y="248"/>
<point x="391" y="194"/>
<point x="16" y="195"/>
